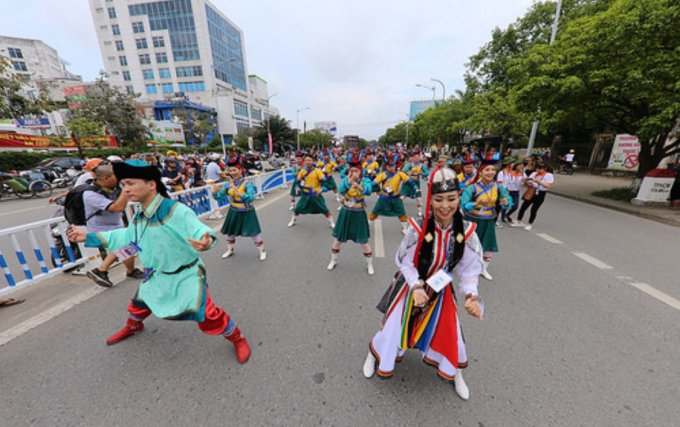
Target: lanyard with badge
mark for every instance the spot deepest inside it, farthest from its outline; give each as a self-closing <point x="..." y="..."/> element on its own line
<point x="132" y="248"/>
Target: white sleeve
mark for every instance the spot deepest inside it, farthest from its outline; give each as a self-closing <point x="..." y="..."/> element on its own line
<point x="470" y="266"/>
<point x="404" y="257"/>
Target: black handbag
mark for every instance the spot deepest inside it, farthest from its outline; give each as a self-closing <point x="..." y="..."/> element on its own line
<point x="391" y="293"/>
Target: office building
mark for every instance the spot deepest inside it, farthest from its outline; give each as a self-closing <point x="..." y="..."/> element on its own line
<point x="181" y="50"/>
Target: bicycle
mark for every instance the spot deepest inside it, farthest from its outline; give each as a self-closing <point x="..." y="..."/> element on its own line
<point x="24" y="188"/>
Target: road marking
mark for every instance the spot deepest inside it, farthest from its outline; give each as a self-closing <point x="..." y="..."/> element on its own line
<point x="624" y="277"/>
<point x="657" y="294"/>
<point x="22" y="210"/>
<point x="593" y="261"/>
<point x="549" y="238"/>
<point x="379" y="242"/>
<point x="48" y="315"/>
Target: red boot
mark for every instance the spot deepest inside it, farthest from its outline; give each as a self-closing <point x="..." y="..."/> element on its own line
<point x="242" y="347"/>
<point x="133" y="327"/>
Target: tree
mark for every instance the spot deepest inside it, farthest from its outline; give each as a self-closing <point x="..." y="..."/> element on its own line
<point x="116" y="110"/>
<point x="15" y="101"/>
<point x="618" y="66"/>
<point x="315" y="138"/>
<point x="196" y="124"/>
<point x="83" y="128"/>
<point x="282" y="134"/>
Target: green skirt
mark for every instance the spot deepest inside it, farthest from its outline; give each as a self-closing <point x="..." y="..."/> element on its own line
<point x="486" y="231"/>
<point x="408" y="191"/>
<point x="390" y="208"/>
<point x="329" y="184"/>
<point x="352" y="225"/>
<point x="241" y="223"/>
<point x="294" y="189"/>
<point x="311" y="205"/>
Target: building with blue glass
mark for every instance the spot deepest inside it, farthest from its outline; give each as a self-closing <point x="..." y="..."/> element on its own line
<point x="174" y="50"/>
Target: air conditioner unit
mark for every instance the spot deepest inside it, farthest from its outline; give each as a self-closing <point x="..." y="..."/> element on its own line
<point x="179" y="94"/>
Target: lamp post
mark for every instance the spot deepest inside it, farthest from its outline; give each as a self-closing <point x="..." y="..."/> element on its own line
<point x="269" y="135"/>
<point x="298" y="126"/>
<point x="534" y="126"/>
<point x="443" y="88"/>
<point x="429" y="88"/>
<point x="408" y="121"/>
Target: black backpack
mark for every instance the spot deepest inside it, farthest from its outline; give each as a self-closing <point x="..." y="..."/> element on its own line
<point x="74" y="206"/>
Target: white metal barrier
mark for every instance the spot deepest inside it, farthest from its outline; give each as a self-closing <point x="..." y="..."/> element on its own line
<point x="43" y="236"/>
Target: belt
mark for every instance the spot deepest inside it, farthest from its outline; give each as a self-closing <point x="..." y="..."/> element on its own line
<point x="182" y="268"/>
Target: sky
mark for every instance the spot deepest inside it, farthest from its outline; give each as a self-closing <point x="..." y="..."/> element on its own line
<point x="354" y="62"/>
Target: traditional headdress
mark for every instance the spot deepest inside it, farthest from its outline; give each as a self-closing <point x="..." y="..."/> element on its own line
<point x="368" y="152"/>
<point x="139" y="169"/>
<point x="469" y="160"/>
<point x="391" y="158"/>
<point x="234" y="160"/>
<point x="355" y="159"/>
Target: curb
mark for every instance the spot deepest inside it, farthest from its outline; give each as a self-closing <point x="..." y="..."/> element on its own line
<point x="619" y="208"/>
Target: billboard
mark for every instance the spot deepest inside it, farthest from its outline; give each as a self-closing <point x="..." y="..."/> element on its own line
<point x="418" y="107"/>
<point x="327" y="127"/>
<point x="624" y="156"/>
<point x="15" y="140"/>
<point x="74" y="96"/>
<point x="164" y="132"/>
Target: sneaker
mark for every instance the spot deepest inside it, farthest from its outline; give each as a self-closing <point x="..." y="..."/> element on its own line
<point x="498" y="224"/>
<point x="371" y="270"/>
<point x="100" y="277"/>
<point x="263" y="255"/>
<point x="515" y="224"/>
<point x="135" y="274"/>
<point x="528" y="227"/>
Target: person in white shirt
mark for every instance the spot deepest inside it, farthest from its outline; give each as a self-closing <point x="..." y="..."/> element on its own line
<point x="541" y="180"/>
<point x="213" y="171"/>
<point x="512" y="178"/>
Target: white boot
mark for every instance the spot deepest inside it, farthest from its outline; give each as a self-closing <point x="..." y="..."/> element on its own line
<point x="229" y="252"/>
<point x="337" y="197"/>
<point x="334" y="261"/>
<point x="330" y="222"/>
<point x="339" y="207"/>
<point x="369" y="365"/>
<point x="485" y="272"/>
<point x="369" y="264"/>
<point x="292" y="206"/>
<point x="293" y="220"/>
<point x="404" y="226"/>
<point x="459" y="385"/>
<point x="263" y="253"/>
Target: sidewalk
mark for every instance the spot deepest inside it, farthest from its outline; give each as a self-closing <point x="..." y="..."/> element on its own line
<point x="580" y="187"/>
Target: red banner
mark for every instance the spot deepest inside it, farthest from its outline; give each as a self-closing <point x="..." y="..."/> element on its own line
<point x="74" y="96"/>
<point x="14" y="140"/>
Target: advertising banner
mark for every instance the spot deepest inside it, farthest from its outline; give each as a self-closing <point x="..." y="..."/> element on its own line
<point x="624" y="156"/>
<point x="164" y="132"/>
<point x="14" y="140"/>
<point x="418" y="107"/>
<point x="74" y="95"/>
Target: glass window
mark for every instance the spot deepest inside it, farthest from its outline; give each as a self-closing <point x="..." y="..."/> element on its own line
<point x="112" y="58"/>
<point x="240" y="108"/>
<point x="116" y="29"/>
<point x="161" y="57"/>
<point x="194" y="71"/>
<point x="20" y="66"/>
<point x="103" y="27"/>
<point x="119" y="45"/>
<point x="107" y="43"/>
<point x="130" y="90"/>
<point x="164" y="73"/>
<point x="255" y="113"/>
<point x="112" y="12"/>
<point x="144" y="59"/>
<point x="15" y="52"/>
<point x="126" y="76"/>
<point x="226" y="43"/>
<point x="192" y="87"/>
<point x="122" y="60"/>
<point x="141" y="43"/>
<point x="148" y="74"/>
<point x="150" y="89"/>
<point x="137" y="27"/>
<point x="158" y="41"/>
<point x="167" y="88"/>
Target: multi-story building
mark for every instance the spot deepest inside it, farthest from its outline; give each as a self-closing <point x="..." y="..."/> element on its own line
<point x="181" y="50"/>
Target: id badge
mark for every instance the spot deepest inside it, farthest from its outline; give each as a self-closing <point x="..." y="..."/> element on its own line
<point x="388" y="188"/>
<point x="127" y="251"/>
<point x="351" y="203"/>
<point x="439" y="280"/>
<point x="302" y="183"/>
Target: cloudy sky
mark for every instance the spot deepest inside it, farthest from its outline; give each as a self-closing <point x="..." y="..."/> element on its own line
<point x="355" y="62"/>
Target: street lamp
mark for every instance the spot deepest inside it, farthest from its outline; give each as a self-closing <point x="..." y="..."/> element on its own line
<point x="269" y="135"/>
<point x="443" y="88"/>
<point x="298" y="126"/>
<point x="430" y="88"/>
<point x="408" y="121"/>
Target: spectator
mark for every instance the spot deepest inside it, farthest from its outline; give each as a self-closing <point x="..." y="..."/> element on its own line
<point x="85" y="178"/>
<point x="104" y="212"/>
<point x="213" y="171"/>
<point x="173" y="173"/>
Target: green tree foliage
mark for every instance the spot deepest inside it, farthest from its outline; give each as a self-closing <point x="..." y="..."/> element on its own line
<point x="315" y="138"/>
<point x="14" y="100"/>
<point x="283" y="136"/>
<point x="617" y="66"/>
<point x="81" y="129"/>
<point x="196" y="124"/>
<point x="116" y="110"/>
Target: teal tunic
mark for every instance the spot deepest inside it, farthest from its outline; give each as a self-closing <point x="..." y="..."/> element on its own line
<point x="352" y="223"/>
<point x="161" y="231"/>
<point x="241" y="219"/>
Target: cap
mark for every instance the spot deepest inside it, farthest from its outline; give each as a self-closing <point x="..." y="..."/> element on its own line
<point x="91" y="164"/>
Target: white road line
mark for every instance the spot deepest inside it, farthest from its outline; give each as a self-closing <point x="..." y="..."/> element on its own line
<point x="549" y="238"/>
<point x="48" y="315"/>
<point x="593" y="261"/>
<point x="657" y="294"/>
<point x="379" y="242"/>
<point x="23" y="210"/>
<point x="624" y="277"/>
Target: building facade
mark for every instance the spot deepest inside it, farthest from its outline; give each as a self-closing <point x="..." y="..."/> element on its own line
<point x="181" y="50"/>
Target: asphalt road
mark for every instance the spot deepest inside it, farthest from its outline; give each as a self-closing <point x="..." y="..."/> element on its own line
<point x="580" y="330"/>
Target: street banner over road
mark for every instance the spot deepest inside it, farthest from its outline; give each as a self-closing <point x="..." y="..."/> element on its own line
<point x="15" y="140"/>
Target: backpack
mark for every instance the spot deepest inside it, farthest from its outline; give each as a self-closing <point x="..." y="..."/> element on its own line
<point x="74" y="206"/>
